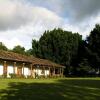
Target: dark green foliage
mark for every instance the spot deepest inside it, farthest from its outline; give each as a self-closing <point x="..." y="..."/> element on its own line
<point x="13" y="75"/>
<point x="19" y="49"/>
<point x="94" y="47"/>
<point x="59" y="46"/>
<point x="3" y="47"/>
<point x="28" y="52"/>
<point x="84" y="69"/>
<point x="35" y="51"/>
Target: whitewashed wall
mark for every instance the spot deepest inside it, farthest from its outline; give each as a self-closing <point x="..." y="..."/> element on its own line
<point x="39" y="72"/>
<point x="47" y="72"/>
<point x="10" y="70"/>
<point x="26" y="71"/>
<point x="1" y="69"/>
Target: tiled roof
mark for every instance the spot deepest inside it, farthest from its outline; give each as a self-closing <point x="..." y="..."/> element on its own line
<point x="6" y="55"/>
<point x="38" y="61"/>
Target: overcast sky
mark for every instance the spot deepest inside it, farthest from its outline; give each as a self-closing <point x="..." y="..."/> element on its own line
<point x="24" y="20"/>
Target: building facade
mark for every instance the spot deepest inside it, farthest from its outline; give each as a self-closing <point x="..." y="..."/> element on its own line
<point x="20" y="65"/>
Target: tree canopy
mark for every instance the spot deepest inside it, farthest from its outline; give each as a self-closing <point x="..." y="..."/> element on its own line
<point x="3" y="47"/>
<point x="94" y="47"/>
<point x="19" y="49"/>
<point x="58" y="45"/>
<point x="81" y="57"/>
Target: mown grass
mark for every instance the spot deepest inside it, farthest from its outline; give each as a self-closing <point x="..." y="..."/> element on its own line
<point x="50" y="89"/>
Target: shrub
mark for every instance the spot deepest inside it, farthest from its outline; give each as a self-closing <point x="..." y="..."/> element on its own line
<point x="13" y="75"/>
<point x="41" y="76"/>
<point x="4" y="76"/>
<point x="29" y="76"/>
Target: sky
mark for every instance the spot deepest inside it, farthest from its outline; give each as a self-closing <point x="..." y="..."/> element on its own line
<point x="24" y="20"/>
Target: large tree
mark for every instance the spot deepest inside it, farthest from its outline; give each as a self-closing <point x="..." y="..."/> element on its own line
<point x="94" y="47"/>
<point x="59" y="46"/>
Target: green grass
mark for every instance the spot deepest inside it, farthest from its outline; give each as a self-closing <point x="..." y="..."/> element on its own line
<point x="50" y="89"/>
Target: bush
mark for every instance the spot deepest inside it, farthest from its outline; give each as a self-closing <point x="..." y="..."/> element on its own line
<point x="4" y="76"/>
<point x="1" y="76"/>
<point x="41" y="76"/>
<point x="13" y="75"/>
<point x="29" y="76"/>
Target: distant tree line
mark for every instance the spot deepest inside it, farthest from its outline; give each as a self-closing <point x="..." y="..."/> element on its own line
<point x="81" y="57"/>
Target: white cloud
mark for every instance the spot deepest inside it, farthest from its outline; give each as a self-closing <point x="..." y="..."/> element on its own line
<point x="20" y="23"/>
<point x="14" y="14"/>
<point x="12" y="42"/>
<point x="84" y="28"/>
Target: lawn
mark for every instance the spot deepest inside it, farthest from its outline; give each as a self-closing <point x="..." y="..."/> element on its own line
<point x="50" y="89"/>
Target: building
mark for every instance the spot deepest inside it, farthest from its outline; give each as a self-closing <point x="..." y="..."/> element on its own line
<point x="21" y="65"/>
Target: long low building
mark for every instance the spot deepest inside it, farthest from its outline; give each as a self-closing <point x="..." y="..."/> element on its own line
<point x="27" y="66"/>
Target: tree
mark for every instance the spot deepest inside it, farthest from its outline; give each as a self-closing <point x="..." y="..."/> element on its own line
<point x="84" y="68"/>
<point x="94" y="47"/>
<point x="29" y="52"/>
<point x="59" y="46"/>
<point x="35" y="51"/>
<point x="19" y="49"/>
<point x="3" y="47"/>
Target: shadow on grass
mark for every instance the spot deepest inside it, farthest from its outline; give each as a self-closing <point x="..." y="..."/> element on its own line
<point x="73" y="89"/>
